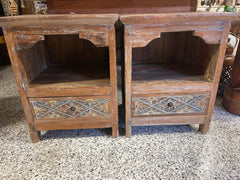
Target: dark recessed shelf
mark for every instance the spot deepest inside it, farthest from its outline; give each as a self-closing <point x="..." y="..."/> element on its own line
<point x="72" y="75"/>
<point x="165" y="73"/>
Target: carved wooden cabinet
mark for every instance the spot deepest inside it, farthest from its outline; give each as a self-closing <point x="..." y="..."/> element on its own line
<point x="63" y="84"/>
<point x="172" y="67"/>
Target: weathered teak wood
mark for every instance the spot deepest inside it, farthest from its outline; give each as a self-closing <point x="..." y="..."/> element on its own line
<point x="184" y="17"/>
<point x="72" y="91"/>
<point x="26" y="42"/>
<point x="61" y="19"/>
<point x="173" y="78"/>
<point x="120" y="6"/>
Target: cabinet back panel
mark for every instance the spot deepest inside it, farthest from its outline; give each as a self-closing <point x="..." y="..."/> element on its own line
<point x="161" y="50"/>
<point x="69" y="49"/>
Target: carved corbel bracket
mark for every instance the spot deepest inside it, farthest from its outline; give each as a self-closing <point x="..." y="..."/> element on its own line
<point x="210" y="37"/>
<point x="142" y="39"/>
<point x="98" y="39"/>
<point x="27" y="41"/>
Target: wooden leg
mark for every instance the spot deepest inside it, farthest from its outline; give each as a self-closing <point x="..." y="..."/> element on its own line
<point x="35" y="136"/>
<point x="128" y="128"/>
<point x="113" y="78"/>
<point x="115" y="130"/>
<point x="128" y="80"/>
<point x="204" y="128"/>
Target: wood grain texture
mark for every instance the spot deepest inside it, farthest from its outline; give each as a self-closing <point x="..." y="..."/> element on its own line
<point x="141" y="40"/>
<point x="98" y="39"/>
<point x="72" y="124"/>
<point x="113" y="79"/>
<point x="128" y="79"/>
<point x="56" y="20"/>
<point x="65" y="80"/>
<point x="166" y="72"/>
<point x="212" y="37"/>
<point x="217" y="73"/>
<point x="120" y="6"/>
<point x="72" y="75"/>
<point x="167" y="120"/>
<point x="20" y="77"/>
<point x="33" y="60"/>
<point x="27" y="41"/>
<point x="69" y="49"/>
<point x="185" y="17"/>
<point x="58" y="29"/>
<point x="180" y="27"/>
<point x="171" y="88"/>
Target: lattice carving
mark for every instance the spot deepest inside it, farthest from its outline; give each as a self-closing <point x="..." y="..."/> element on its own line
<point x="70" y="108"/>
<point x="170" y="104"/>
<point x="225" y="79"/>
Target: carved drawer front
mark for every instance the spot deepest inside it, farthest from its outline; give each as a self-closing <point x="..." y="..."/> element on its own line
<point x="45" y="108"/>
<point x="175" y="104"/>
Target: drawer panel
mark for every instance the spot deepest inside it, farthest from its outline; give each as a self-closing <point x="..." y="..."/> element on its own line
<point x="47" y="108"/>
<point x="170" y="104"/>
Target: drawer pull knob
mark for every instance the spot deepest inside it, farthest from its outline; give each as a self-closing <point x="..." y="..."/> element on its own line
<point x="170" y="104"/>
<point x="73" y="108"/>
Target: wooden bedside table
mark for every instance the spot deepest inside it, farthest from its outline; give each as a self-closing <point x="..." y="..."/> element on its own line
<point x="61" y="87"/>
<point x="173" y="63"/>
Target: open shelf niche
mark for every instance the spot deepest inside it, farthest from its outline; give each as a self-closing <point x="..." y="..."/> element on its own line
<point x="67" y="61"/>
<point x="175" y="57"/>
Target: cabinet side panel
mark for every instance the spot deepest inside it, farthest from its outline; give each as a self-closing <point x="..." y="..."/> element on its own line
<point x="34" y="60"/>
<point x="201" y="56"/>
<point x="20" y="75"/>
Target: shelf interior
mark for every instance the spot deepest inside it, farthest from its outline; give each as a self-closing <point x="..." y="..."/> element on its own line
<point x="175" y="57"/>
<point x="165" y="73"/>
<point x="66" y="62"/>
<point x="72" y="75"/>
